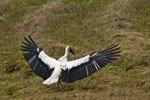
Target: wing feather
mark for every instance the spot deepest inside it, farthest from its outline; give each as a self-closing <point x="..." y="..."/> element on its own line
<point x="37" y="64"/>
<point x="85" y="66"/>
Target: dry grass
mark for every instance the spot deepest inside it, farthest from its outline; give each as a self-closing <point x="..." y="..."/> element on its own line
<point x="87" y="25"/>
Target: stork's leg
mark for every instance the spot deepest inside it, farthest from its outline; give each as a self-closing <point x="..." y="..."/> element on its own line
<point x="58" y="86"/>
<point x="61" y="85"/>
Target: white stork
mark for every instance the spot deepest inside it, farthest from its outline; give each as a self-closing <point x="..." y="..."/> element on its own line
<point x="52" y="70"/>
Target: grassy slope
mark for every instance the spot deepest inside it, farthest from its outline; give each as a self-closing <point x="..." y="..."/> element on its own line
<point x="87" y="25"/>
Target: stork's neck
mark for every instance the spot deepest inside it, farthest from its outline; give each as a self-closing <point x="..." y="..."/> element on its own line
<point x="64" y="58"/>
<point x="66" y="53"/>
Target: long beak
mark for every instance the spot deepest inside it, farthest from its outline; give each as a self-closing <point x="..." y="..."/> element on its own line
<point x="72" y="51"/>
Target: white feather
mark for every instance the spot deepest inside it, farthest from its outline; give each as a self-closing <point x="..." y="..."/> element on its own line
<point x="60" y="64"/>
<point x="51" y="62"/>
<point x="77" y="62"/>
<point x="54" y="77"/>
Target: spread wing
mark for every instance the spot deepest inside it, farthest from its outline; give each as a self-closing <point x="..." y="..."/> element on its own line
<point x="83" y="67"/>
<point x="38" y="66"/>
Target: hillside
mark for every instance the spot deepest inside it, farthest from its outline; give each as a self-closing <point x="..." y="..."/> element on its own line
<point x="86" y="25"/>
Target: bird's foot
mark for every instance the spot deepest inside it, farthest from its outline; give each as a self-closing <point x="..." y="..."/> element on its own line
<point x="59" y="86"/>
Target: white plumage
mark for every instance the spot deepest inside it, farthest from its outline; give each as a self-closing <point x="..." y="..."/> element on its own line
<point x="60" y="64"/>
<point x="52" y="70"/>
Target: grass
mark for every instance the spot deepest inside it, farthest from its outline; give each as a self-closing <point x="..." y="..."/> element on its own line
<point x="141" y="23"/>
<point x="86" y="25"/>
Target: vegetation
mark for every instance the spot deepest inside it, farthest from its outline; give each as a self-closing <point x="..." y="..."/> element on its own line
<point x="86" y="25"/>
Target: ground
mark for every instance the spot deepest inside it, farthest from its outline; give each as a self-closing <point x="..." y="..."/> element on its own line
<point x="87" y="26"/>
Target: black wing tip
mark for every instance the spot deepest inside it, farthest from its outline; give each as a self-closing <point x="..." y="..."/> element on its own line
<point x="29" y="37"/>
<point x="26" y="44"/>
<point x="32" y="40"/>
<point x="24" y="50"/>
<point x="111" y="48"/>
<point x="28" y="41"/>
<point x="113" y="51"/>
<point x="25" y="38"/>
<point x="114" y="45"/>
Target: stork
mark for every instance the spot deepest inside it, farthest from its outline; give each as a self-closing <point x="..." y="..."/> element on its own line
<point x="52" y="70"/>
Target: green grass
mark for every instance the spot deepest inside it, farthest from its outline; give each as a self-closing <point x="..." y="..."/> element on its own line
<point x="140" y="15"/>
<point x="87" y="26"/>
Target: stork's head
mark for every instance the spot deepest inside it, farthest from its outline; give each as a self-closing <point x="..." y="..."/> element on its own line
<point x="69" y="49"/>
